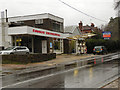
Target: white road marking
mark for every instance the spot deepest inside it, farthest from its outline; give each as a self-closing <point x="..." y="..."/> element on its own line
<point x="43" y="77"/>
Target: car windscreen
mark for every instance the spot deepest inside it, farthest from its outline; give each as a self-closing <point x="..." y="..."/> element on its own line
<point x="9" y="48"/>
<point x="98" y="47"/>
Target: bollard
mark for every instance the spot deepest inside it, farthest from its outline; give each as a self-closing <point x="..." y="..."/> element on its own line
<point x="94" y="61"/>
<point x="102" y="60"/>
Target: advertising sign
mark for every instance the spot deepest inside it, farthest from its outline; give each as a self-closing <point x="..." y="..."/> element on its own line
<point x="106" y="35"/>
<point x="50" y="45"/>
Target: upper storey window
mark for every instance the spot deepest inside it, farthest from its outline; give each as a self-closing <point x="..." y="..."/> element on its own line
<point x="39" y="21"/>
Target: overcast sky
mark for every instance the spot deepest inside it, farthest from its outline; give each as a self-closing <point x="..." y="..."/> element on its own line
<point x="102" y="9"/>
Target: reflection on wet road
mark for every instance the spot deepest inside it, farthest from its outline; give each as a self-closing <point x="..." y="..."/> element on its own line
<point x="91" y="77"/>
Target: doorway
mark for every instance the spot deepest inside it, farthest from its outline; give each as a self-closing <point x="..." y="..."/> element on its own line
<point x="44" y="46"/>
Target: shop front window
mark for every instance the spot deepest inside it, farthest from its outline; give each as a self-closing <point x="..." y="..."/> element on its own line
<point x="57" y="44"/>
<point x="23" y="41"/>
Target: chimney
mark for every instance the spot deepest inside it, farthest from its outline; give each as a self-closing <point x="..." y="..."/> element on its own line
<point x="80" y="25"/>
<point x="92" y="25"/>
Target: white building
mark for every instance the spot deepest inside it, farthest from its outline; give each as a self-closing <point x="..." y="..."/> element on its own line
<point x="41" y="33"/>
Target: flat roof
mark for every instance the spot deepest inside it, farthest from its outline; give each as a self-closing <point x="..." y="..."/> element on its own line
<point x="35" y="16"/>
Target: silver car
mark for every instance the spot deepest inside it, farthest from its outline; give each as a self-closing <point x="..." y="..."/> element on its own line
<point x="15" y="50"/>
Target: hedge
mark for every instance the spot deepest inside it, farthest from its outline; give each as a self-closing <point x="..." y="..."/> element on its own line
<point x="112" y="46"/>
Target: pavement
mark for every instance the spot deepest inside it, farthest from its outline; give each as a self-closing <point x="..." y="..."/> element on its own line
<point x="59" y="60"/>
<point x="113" y="84"/>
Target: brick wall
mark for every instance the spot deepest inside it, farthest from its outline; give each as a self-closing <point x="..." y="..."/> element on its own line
<point x="30" y="58"/>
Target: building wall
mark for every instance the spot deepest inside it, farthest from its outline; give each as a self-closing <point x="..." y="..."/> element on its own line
<point x="119" y="20"/>
<point x="38" y="44"/>
<point x="75" y="32"/>
<point x="50" y="22"/>
<point x="66" y="46"/>
<point x="5" y="40"/>
<point x="47" y="24"/>
<point x="8" y="39"/>
<point x="0" y="37"/>
<point x="87" y="31"/>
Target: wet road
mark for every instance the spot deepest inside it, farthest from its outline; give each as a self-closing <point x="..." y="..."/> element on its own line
<point x="90" y="77"/>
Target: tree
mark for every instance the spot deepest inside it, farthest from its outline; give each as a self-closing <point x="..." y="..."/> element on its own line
<point x="114" y="26"/>
<point x="117" y="4"/>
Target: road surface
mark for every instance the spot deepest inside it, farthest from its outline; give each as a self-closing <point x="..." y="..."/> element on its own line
<point x="90" y="77"/>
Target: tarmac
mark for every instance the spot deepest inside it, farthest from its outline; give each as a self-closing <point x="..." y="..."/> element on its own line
<point x="46" y="67"/>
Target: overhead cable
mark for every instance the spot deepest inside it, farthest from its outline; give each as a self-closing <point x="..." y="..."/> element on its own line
<point x="82" y="12"/>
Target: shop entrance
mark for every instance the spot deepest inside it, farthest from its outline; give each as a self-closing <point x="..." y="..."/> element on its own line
<point x="22" y="41"/>
<point x="44" y="46"/>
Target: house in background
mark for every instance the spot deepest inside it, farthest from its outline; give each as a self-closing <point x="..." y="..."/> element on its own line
<point x="74" y="43"/>
<point x="77" y="35"/>
<point x="89" y="29"/>
<point x="70" y="44"/>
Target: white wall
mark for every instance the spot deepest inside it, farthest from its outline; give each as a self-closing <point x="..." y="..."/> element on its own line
<point x="6" y="42"/>
<point x="29" y="30"/>
<point x="17" y="30"/>
<point x="0" y="36"/>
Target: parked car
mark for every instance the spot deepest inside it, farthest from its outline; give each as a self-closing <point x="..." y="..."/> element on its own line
<point x="100" y="50"/>
<point x="15" y="50"/>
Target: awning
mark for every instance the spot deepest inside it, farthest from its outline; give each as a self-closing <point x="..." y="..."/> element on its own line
<point x="84" y="36"/>
<point x="26" y="30"/>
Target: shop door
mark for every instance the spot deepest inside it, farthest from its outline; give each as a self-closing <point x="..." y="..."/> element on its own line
<point x="44" y="46"/>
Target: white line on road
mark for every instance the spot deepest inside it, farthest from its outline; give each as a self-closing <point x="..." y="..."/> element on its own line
<point x="23" y="82"/>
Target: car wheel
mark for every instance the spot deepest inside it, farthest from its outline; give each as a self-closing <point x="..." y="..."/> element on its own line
<point x="106" y="53"/>
<point x="11" y="53"/>
<point x="102" y="53"/>
<point x="27" y="52"/>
